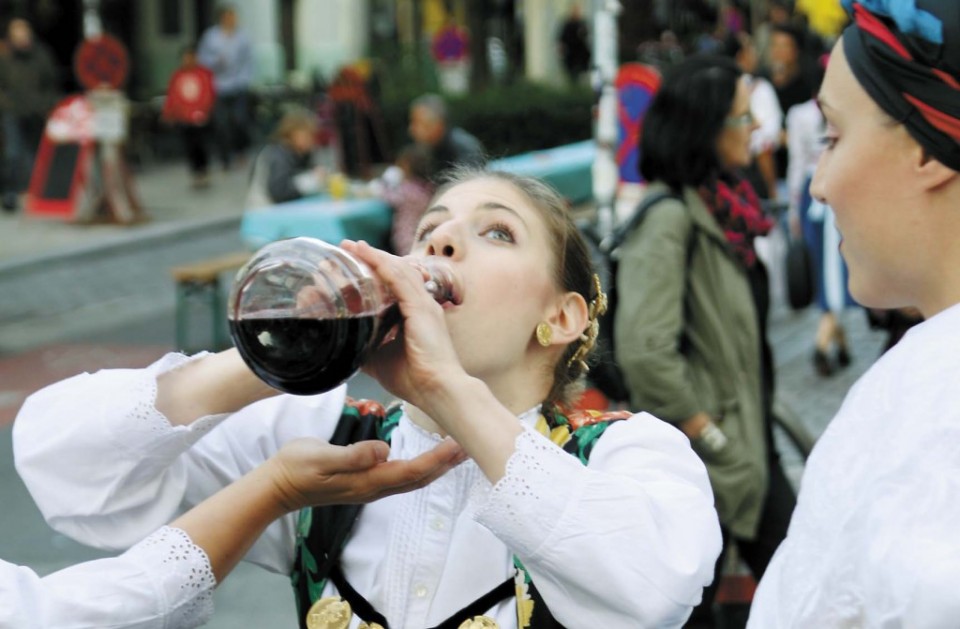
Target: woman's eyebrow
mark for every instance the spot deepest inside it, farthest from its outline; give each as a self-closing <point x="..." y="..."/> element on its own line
<point x="493" y="205"/>
<point x="486" y="205"/>
<point x="436" y="208"/>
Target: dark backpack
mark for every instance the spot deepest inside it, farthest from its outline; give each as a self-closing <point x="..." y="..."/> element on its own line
<point x="605" y="374"/>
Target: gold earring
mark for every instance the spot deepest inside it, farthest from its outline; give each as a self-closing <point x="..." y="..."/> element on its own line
<point x="544" y="334"/>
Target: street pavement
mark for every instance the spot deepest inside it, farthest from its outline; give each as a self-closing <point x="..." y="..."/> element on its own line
<point x="84" y="297"/>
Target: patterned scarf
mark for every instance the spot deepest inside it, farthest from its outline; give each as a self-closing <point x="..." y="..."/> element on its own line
<point x="907" y="57"/>
<point x="737" y="210"/>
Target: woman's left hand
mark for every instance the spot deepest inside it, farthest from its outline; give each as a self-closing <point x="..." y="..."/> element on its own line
<point x="421" y="359"/>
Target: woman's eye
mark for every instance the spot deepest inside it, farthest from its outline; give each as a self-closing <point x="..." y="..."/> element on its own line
<point x="499" y="232"/>
<point x="828" y="141"/>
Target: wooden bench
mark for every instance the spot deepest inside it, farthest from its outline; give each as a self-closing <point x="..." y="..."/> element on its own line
<point x="200" y="281"/>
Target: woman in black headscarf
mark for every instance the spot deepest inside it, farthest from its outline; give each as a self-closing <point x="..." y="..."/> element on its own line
<point x="873" y="539"/>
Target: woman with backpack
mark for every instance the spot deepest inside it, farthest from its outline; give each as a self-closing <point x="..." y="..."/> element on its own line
<point x="690" y="325"/>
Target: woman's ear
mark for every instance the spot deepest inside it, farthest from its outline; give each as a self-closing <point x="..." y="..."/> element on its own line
<point x="569" y="318"/>
<point x="933" y="174"/>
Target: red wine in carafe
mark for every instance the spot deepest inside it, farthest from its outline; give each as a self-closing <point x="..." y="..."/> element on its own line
<point x="305" y="315"/>
<point x="304" y="356"/>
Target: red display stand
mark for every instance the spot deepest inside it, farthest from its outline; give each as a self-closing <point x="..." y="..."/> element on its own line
<point x="80" y="173"/>
<point x="62" y="172"/>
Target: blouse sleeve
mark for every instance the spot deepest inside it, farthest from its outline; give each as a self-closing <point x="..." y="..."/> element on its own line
<point x="164" y="581"/>
<point x="640" y="514"/>
<point x="106" y="468"/>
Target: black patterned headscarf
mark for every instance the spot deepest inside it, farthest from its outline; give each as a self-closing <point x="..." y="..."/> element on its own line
<point x="906" y="55"/>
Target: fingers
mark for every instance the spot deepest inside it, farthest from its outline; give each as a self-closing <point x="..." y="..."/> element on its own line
<point x="403" y="278"/>
<point x="362" y="455"/>
<point x="312" y="472"/>
<point x="395" y="477"/>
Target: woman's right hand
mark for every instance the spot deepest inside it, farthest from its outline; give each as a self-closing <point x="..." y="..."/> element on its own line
<point x="308" y="472"/>
<point x="421" y="361"/>
<point x="694" y="425"/>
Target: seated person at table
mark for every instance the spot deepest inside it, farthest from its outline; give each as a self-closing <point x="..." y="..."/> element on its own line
<point x="284" y="170"/>
<point x="579" y="520"/>
<point x="449" y="146"/>
<point x="407" y="188"/>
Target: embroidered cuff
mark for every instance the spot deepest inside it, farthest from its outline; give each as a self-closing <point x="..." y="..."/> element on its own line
<point x="541" y="480"/>
<point x="182" y="574"/>
<point x="147" y="428"/>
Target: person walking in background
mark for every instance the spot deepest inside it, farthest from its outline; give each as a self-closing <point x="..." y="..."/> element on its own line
<point x="188" y="105"/>
<point x="28" y="91"/>
<point x="284" y="169"/>
<point x="226" y="50"/>
<point x="814" y="222"/>
<point x="873" y="542"/>
<point x="573" y="42"/>
<point x="690" y="329"/>
<point x="789" y="77"/>
<point x="765" y="107"/>
<point x="448" y="146"/>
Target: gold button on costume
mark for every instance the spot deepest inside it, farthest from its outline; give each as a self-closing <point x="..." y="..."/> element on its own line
<point x="330" y="612"/>
<point x="479" y="622"/>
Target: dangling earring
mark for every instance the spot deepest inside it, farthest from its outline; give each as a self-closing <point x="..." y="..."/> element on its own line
<point x="544" y="334"/>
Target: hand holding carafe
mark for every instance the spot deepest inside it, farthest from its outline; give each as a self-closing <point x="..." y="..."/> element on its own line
<point x="305" y="315"/>
<point x="423" y="354"/>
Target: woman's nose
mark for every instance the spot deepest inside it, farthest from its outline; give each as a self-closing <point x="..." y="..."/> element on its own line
<point x="444" y="240"/>
<point x="816" y="184"/>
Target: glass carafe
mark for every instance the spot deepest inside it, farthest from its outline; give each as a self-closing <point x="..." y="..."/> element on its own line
<point x="305" y="314"/>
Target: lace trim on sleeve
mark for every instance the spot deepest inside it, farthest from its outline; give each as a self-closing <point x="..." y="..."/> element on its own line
<point x="183" y="576"/>
<point x="143" y="394"/>
<point x="529" y="501"/>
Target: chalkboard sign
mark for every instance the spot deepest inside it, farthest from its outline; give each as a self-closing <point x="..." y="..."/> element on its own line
<point x="60" y="171"/>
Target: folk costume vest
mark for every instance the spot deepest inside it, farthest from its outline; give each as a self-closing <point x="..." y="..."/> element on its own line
<point x="322" y="532"/>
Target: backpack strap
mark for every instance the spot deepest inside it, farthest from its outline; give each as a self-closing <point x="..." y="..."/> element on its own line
<point x="611" y="243"/>
<point x="605" y="373"/>
<point x="322" y="532"/>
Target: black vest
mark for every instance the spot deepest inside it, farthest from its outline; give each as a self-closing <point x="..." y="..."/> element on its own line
<point x="322" y="532"/>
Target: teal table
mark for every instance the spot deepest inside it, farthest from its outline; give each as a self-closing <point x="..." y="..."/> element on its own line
<point x="567" y="168"/>
<point x="320" y="217"/>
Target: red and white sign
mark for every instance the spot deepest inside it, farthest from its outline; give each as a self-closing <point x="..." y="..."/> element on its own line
<point x="101" y="62"/>
<point x="71" y="121"/>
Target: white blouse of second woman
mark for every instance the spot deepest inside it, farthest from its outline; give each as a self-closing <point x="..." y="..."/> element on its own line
<point x="628" y="541"/>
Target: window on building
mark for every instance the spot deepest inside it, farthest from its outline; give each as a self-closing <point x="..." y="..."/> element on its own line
<point x="171" y="18"/>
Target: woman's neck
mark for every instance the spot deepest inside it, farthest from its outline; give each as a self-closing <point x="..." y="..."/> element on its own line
<point x="515" y="399"/>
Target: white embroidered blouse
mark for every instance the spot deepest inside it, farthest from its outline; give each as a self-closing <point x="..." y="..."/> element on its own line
<point x="628" y="541"/>
<point x="164" y="581"/>
<point x="873" y="541"/>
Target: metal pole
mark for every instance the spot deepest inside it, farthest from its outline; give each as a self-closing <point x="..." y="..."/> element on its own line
<point x="92" y="27"/>
<point x="605" y="171"/>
